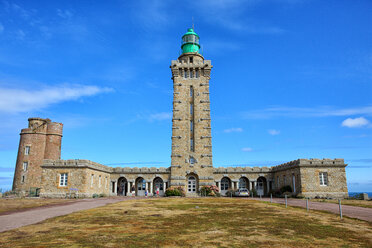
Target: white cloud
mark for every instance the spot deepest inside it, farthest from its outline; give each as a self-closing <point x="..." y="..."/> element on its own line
<point x="22" y="100"/>
<point x="273" y="132"/>
<point x="295" y="112"/>
<point x="233" y="130"/>
<point x="247" y="149"/>
<point x="356" y="122"/>
<point x="160" y="116"/>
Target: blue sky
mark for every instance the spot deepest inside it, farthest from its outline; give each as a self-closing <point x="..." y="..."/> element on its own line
<point x="291" y="79"/>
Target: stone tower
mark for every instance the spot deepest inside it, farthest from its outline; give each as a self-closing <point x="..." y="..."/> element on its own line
<point x="41" y="140"/>
<point x="191" y="157"/>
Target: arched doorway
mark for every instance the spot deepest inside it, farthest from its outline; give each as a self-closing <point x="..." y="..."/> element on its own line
<point x="192" y="184"/>
<point x="140" y="186"/>
<point x="261" y="186"/>
<point x="158" y="184"/>
<point x="122" y="186"/>
<point x="225" y="185"/>
<point x="243" y="183"/>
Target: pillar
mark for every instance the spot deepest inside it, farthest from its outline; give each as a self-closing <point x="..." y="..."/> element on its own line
<point x="116" y="187"/>
<point x="128" y="188"/>
<point x="164" y="186"/>
<point x="151" y="188"/>
<point x="249" y="185"/>
<point x="219" y="186"/>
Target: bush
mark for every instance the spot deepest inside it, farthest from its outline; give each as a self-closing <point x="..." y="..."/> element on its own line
<point x="253" y="192"/>
<point x="175" y="191"/>
<point x="95" y="195"/>
<point x="209" y="191"/>
<point x="230" y="193"/>
<point x="286" y="188"/>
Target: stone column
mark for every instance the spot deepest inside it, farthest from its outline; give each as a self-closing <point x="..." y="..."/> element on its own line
<point x="151" y="188"/>
<point x="164" y="186"/>
<point x="116" y="187"/>
<point x="249" y="186"/>
<point x="219" y="186"/>
<point x="128" y="188"/>
<point x="254" y="184"/>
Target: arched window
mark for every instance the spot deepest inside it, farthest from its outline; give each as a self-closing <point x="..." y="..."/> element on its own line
<point x="225" y="184"/>
<point x="242" y="183"/>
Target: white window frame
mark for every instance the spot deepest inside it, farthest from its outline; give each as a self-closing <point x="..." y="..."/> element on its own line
<point x="27" y="150"/>
<point x="25" y="165"/>
<point x="323" y="178"/>
<point x="92" y="180"/>
<point x="63" y="179"/>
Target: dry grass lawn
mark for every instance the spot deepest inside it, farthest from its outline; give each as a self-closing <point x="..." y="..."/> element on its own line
<point x="193" y="222"/>
<point x="16" y="204"/>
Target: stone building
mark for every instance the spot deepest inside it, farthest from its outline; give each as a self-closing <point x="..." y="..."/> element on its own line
<point x="39" y="164"/>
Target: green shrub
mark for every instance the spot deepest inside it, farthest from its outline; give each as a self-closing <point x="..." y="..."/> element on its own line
<point x="285" y="188"/>
<point x="174" y="191"/>
<point x="253" y="192"/>
<point x="95" y="195"/>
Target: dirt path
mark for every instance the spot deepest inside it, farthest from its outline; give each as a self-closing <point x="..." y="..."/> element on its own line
<point x="32" y="216"/>
<point x="350" y="211"/>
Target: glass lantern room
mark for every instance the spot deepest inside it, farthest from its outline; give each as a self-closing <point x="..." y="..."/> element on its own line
<point x="190" y="42"/>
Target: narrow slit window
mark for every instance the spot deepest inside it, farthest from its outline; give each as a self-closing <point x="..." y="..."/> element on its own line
<point x="197" y="73"/>
<point x="186" y="73"/>
<point x="191" y="91"/>
<point x="191" y="74"/>
<point x="191" y="60"/>
<point x="191" y="146"/>
<point x="191" y="109"/>
<point x="191" y="126"/>
<point x="27" y="150"/>
<point x="25" y="166"/>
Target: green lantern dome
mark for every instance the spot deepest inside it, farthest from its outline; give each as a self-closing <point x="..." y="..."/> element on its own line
<point x="190" y="42"/>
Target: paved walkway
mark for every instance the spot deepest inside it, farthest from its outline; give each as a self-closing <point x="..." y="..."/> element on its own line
<point x="350" y="211"/>
<point x="32" y="216"/>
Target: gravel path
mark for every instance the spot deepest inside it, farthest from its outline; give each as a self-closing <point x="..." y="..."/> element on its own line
<point x="350" y="211"/>
<point x="32" y="216"/>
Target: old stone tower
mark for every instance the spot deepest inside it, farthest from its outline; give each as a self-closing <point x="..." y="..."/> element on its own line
<point x="41" y="140"/>
<point x="191" y="127"/>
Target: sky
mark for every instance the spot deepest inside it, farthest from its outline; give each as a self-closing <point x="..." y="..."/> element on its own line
<point x="291" y="79"/>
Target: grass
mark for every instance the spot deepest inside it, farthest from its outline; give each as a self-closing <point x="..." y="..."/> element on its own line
<point x="350" y="202"/>
<point x="193" y="222"/>
<point x="16" y="204"/>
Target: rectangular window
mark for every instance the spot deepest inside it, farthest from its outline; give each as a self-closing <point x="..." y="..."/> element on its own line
<point x="323" y="178"/>
<point x="191" y="126"/>
<point x="25" y="166"/>
<point x="192" y="145"/>
<point x="23" y="179"/>
<point x="91" y="181"/>
<point x="191" y="109"/>
<point x="191" y="60"/>
<point x="63" y="179"/>
<point x="99" y="181"/>
<point x="27" y="150"/>
<point x="191" y="74"/>
<point x="191" y="91"/>
<point x="186" y="73"/>
<point x="197" y="73"/>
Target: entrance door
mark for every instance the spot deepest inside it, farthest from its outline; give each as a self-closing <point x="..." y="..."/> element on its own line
<point x="191" y="187"/>
<point x="159" y="185"/>
<point x="122" y="186"/>
<point x="141" y="187"/>
<point x="225" y="182"/>
<point x="260" y="187"/>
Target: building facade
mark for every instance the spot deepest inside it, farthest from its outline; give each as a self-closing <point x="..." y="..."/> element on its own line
<point x="39" y="164"/>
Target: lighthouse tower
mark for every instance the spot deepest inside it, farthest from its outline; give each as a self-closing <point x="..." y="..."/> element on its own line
<point x="191" y="156"/>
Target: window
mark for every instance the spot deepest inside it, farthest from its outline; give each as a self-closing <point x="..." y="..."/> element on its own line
<point x="23" y="179"/>
<point x="191" y="146"/>
<point x="191" y="126"/>
<point x="323" y="178"/>
<point x="242" y="183"/>
<point x="91" y="180"/>
<point x="191" y="109"/>
<point x="225" y="184"/>
<point x="27" y="150"/>
<point x="186" y="73"/>
<point x="192" y="160"/>
<point x="25" y="166"/>
<point x="63" y="179"/>
<point x="99" y="181"/>
<point x="191" y="91"/>
<point x="191" y="60"/>
<point x="197" y="73"/>
<point x="191" y="74"/>
<point x="181" y="73"/>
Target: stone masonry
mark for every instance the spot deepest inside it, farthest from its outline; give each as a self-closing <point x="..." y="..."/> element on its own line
<point x="39" y="165"/>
